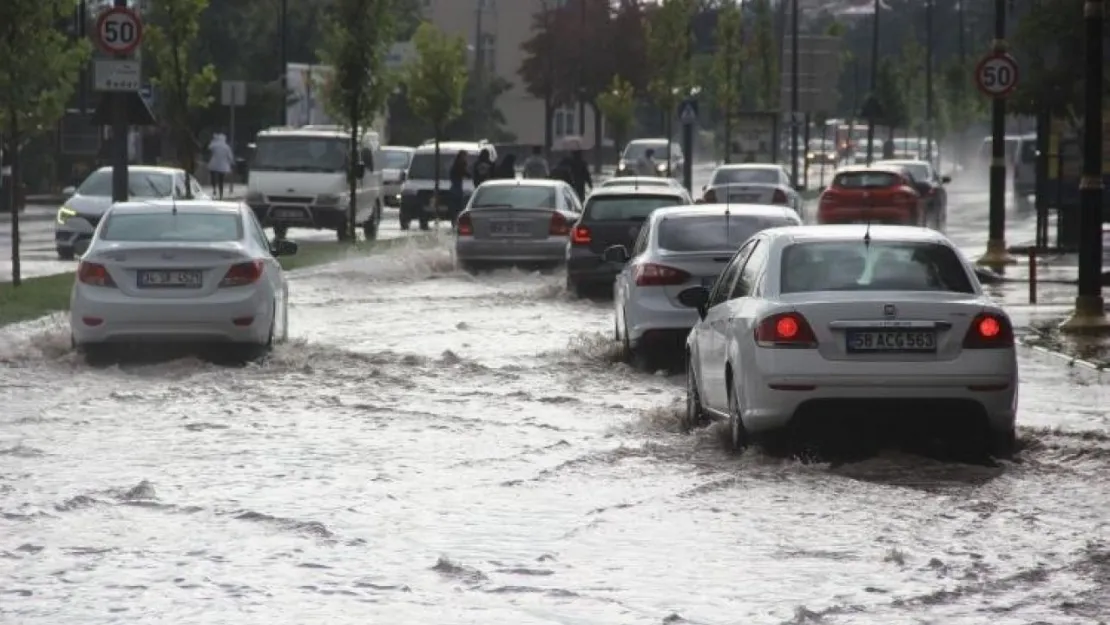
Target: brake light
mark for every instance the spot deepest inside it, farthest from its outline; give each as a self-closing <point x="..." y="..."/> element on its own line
<point x="788" y="330"/>
<point x="989" y="331"/>
<point x="580" y="235"/>
<point x="559" y="227"/>
<point x="779" y="197"/>
<point x="94" y="274"/>
<point x="650" y="274"/>
<point x="464" y="227"/>
<point x="242" y="274"/>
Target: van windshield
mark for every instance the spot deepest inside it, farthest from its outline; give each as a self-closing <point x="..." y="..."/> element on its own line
<point x="423" y="164"/>
<point x="308" y="154"/>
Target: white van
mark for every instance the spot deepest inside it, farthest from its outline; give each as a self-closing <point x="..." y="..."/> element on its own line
<point x="1025" y="170"/>
<point x="420" y="180"/>
<point x="298" y="179"/>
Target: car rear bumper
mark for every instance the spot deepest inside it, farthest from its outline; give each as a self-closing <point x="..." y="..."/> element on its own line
<point x="587" y="268"/>
<point x="648" y="312"/>
<point x="301" y="216"/>
<point x="875" y="214"/>
<point x="549" y="250"/>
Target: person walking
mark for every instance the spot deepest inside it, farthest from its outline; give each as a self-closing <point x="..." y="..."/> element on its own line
<point x="460" y="171"/>
<point x="483" y="168"/>
<point x="220" y="161"/>
<point x="580" y="173"/>
<point x="535" y="166"/>
<point x="563" y="171"/>
<point x="506" y="169"/>
<point x="645" y="165"/>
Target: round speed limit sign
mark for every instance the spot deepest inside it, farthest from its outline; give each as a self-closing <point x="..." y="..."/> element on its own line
<point x="119" y="31"/>
<point x="997" y="74"/>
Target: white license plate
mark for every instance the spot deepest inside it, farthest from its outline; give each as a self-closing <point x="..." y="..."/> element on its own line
<point x="508" y="228"/>
<point x="891" y="341"/>
<point x="170" y="279"/>
<point x="744" y="197"/>
<point x="289" y="213"/>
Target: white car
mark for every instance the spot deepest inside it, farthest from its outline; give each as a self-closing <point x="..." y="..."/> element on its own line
<point x="886" y="320"/>
<point x="757" y="177"/>
<point x="79" y="215"/>
<point x="165" y="271"/>
<point x="641" y="181"/>
<point x="678" y="247"/>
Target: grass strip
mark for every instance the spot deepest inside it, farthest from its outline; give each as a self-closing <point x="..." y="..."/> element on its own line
<point x="46" y="294"/>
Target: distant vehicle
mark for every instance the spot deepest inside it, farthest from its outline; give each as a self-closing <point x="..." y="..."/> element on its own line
<point x="677" y="248"/>
<point x="759" y="174"/>
<point x="636" y="149"/>
<point x="753" y="193"/>
<point x="299" y="179"/>
<point x="930" y="186"/>
<point x="612" y="216"/>
<point x="871" y="320"/>
<point x="191" y="271"/>
<point x="395" y="165"/>
<point x="420" y="180"/>
<point x="1025" y="170"/>
<point x="79" y="215"/>
<point x="516" y="222"/>
<point x="881" y="194"/>
<point x="822" y="152"/>
<point x="641" y="181"/>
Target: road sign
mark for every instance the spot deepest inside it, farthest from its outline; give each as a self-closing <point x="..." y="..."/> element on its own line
<point x="233" y="93"/>
<point x="688" y="111"/>
<point x="119" y="31"/>
<point x="997" y="74"/>
<point x="117" y="75"/>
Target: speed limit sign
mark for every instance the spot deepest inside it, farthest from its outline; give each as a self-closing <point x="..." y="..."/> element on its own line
<point x="119" y="31"/>
<point x="997" y="74"/>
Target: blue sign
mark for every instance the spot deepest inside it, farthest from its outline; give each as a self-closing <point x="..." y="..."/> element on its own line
<point x="147" y="93"/>
<point x="688" y="111"/>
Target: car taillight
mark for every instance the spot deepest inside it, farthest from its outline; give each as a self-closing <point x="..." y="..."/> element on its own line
<point x="650" y="274"/>
<point x="785" y="330"/>
<point x="559" y="227"/>
<point x="779" y="197"/>
<point x="242" y="274"/>
<point x="465" y="227"/>
<point x="94" y="274"/>
<point x="989" y="331"/>
<point x="580" y="235"/>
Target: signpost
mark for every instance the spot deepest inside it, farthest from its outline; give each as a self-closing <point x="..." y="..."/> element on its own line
<point x="233" y="94"/>
<point x="997" y="75"/>
<point x="119" y="32"/>
<point x="688" y="115"/>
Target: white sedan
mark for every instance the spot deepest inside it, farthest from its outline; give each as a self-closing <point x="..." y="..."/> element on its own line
<point x="678" y="247"/>
<point x="758" y="175"/>
<point x="164" y="271"/>
<point x="886" y="321"/>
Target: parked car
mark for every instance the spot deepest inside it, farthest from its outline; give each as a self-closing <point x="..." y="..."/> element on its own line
<point x="881" y="194"/>
<point x="677" y="247"/>
<point x="395" y="165"/>
<point x="190" y="271"/>
<point x="81" y="212"/>
<point x="417" y="203"/>
<point x="863" y="319"/>
<point x="930" y="186"/>
<point x="516" y="222"/>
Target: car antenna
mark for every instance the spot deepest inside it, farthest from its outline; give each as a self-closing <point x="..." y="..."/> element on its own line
<point x="867" y="232"/>
<point x="728" y="223"/>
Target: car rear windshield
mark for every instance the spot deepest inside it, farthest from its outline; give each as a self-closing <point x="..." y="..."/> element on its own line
<point x="756" y="175"/>
<point x="918" y="171"/>
<point x="139" y="184"/>
<point x="423" y="164"/>
<point x="878" y="266"/>
<point x="627" y="207"/>
<point x="514" y="196"/>
<point x="866" y="180"/>
<point x="190" y="227"/>
<point x="395" y="159"/>
<point x="636" y="150"/>
<point x="712" y="232"/>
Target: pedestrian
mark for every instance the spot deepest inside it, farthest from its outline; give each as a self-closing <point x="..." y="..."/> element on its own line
<point x="506" y="169"/>
<point x="483" y="168"/>
<point x="580" y="173"/>
<point x="220" y="160"/>
<point x="645" y="165"/>
<point x="535" y="166"/>
<point x="460" y="171"/>
<point x="563" y="171"/>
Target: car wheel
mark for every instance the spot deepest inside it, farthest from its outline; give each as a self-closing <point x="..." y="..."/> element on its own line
<point x="66" y="254"/>
<point x="342" y="234"/>
<point x="97" y="354"/>
<point x="424" y="223"/>
<point x="737" y="435"/>
<point x="576" y="289"/>
<point x="404" y="222"/>
<point x="695" y="416"/>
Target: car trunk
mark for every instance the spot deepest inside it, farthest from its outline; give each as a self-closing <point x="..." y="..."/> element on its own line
<point x="511" y="223"/>
<point x="180" y="270"/>
<point x="746" y="194"/>
<point x="703" y="267"/>
<point x="616" y="232"/>
<point x="837" y="315"/>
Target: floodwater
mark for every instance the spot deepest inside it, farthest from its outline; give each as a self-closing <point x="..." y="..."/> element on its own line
<point x="435" y="447"/>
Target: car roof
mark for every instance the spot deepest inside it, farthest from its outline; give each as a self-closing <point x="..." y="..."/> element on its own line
<point x="700" y="210"/>
<point x="521" y="182"/>
<point x="856" y="232"/>
<point x="652" y="141"/>
<point x="399" y="148"/>
<point x="625" y="191"/>
<point x="889" y="166"/>
<point x="148" y="169"/>
<point x="642" y="179"/>
<point x="902" y="161"/>
<point x="725" y="185"/>
<point x="182" y="206"/>
<point x="735" y="166"/>
<point x="455" y="146"/>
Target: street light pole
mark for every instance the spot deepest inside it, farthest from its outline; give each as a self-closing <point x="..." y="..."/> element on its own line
<point x="929" y="80"/>
<point x="1090" y="312"/>
<point x="874" y="81"/>
<point x="794" y="94"/>
<point x="283" y="37"/>
<point x="996" y="256"/>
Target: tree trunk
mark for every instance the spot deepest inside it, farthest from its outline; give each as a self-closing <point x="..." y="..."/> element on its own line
<point x="548" y="126"/>
<point x="13" y="183"/>
<point x="598" y="139"/>
<point x="728" y="137"/>
<point x="352" y="178"/>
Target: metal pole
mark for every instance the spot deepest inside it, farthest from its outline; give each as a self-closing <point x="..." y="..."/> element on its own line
<point x="794" y="94"/>
<point x="120" y="128"/>
<point x="283" y="36"/>
<point x="479" y="63"/>
<point x="874" y="80"/>
<point x="929" y="80"/>
<point x="996" y="255"/>
<point x="1090" y="313"/>
<point x="582" y="70"/>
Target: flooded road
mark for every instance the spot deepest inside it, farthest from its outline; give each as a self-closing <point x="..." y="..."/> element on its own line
<point x="434" y="447"/>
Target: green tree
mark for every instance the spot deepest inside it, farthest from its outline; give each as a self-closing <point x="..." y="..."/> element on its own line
<point x="888" y="91"/>
<point x="185" y="86"/>
<point x="37" y="69"/>
<point x="726" y="71"/>
<point x="911" y="82"/>
<point x="436" y="80"/>
<point x="668" y="51"/>
<point x="618" y="105"/>
<point x="763" y="47"/>
<point x="357" y="37"/>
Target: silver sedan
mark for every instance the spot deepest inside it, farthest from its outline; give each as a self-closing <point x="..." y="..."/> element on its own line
<point x="516" y="222"/>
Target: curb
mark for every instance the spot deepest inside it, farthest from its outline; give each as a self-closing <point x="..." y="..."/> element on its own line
<point x="1071" y="361"/>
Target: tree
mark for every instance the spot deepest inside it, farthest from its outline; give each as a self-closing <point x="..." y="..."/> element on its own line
<point x="726" y="68"/>
<point x="891" y="97"/>
<point x="436" y="80"/>
<point x="171" y="35"/>
<point x="618" y="105"/>
<point x="668" y="52"/>
<point x="538" y="67"/>
<point x="357" y="38"/>
<point x="763" y="48"/>
<point x="480" y="110"/>
<point x="910" y="73"/>
<point x="38" y="65"/>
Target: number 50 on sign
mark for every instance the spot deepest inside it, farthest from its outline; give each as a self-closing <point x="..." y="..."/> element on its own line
<point x="997" y="74"/>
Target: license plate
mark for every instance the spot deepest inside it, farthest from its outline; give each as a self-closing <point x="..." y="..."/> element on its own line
<point x="508" y="228"/>
<point x="170" y="279"/>
<point x="891" y="341"/>
<point x="289" y="213"/>
<point x="744" y="197"/>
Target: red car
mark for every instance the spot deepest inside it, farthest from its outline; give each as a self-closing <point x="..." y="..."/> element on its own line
<point x="880" y="194"/>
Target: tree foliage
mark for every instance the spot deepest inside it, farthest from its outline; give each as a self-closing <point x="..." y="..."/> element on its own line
<point x="668" y="52"/>
<point x="888" y="91"/>
<point x="762" y="47"/>
<point x="727" y="68"/>
<point x="357" y="36"/>
<point x="618" y="105"/>
<point x="185" y="86"/>
<point x="911" y="82"/>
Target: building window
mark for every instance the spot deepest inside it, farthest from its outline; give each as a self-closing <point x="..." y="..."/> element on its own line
<point x="565" y="122"/>
<point x="489" y="53"/>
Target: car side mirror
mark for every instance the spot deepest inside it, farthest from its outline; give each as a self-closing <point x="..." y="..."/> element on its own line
<point x="283" y="247"/>
<point x="69" y="190"/>
<point x="945" y="179"/>
<point x="615" y="254"/>
<point x="696" y="297"/>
